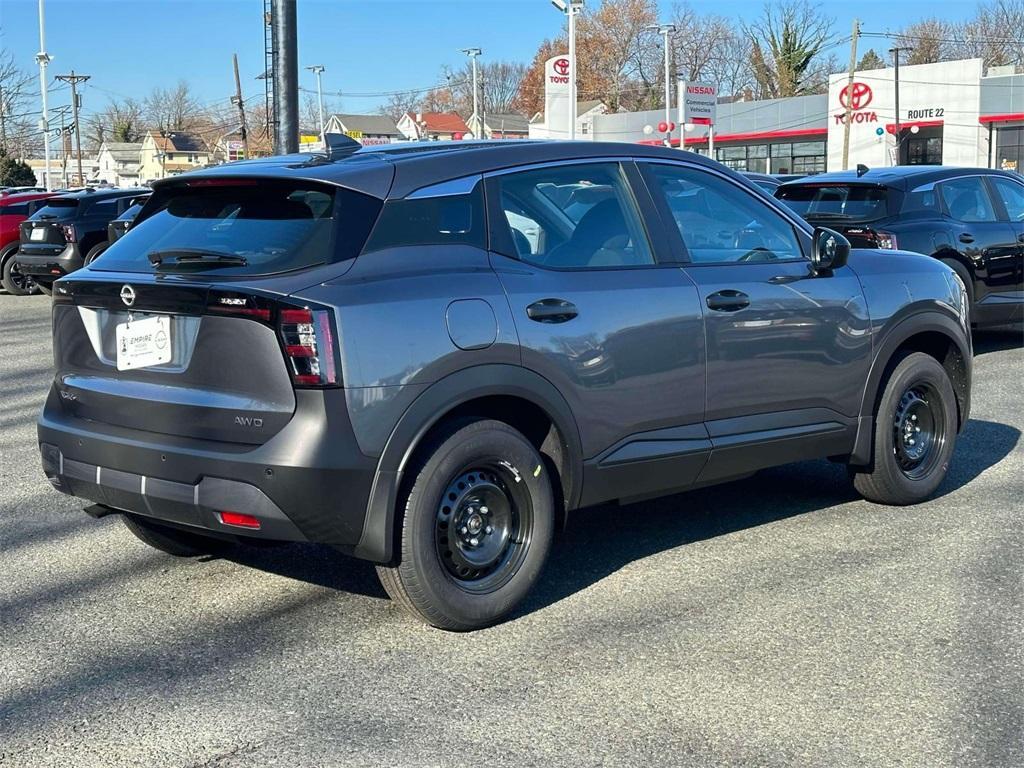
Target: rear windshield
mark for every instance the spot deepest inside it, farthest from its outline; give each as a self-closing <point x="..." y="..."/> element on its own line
<point x="57" y="209"/>
<point x="253" y="227"/>
<point x="836" y="201"/>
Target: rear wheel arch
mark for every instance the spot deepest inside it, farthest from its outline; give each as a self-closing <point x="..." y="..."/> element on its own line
<point x="516" y="396"/>
<point x="932" y="333"/>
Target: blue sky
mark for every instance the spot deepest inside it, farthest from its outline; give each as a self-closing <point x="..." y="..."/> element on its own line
<point x="368" y="46"/>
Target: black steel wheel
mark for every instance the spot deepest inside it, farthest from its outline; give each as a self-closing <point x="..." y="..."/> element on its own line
<point x="477" y="526"/>
<point x="914" y="434"/>
<point x="14" y="281"/>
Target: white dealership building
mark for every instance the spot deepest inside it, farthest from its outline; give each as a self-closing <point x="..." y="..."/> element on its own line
<point x="950" y="113"/>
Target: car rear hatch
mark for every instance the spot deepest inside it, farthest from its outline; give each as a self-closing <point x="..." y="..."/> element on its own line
<point x="186" y="329"/>
<point x="858" y="210"/>
<point x="46" y="233"/>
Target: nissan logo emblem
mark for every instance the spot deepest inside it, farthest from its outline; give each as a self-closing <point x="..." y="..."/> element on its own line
<point x="127" y="295"/>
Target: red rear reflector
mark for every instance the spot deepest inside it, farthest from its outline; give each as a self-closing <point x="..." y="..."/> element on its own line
<point x="300" y="350"/>
<point x="240" y="520"/>
<point x="259" y="314"/>
<point x="296" y="316"/>
<point x="222" y="183"/>
<point x="307" y="378"/>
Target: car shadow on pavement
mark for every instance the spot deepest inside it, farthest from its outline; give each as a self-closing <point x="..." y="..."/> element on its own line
<point x="598" y="541"/>
<point x="997" y="340"/>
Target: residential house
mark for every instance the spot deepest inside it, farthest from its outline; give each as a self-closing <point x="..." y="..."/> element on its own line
<point x="63" y="170"/>
<point x="432" y="126"/>
<point x="172" y="154"/>
<point x="367" y="129"/>
<point x="506" y="126"/>
<point x="118" y="163"/>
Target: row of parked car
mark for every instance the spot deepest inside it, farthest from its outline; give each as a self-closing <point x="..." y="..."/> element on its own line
<point x="970" y="218"/>
<point x="45" y="235"/>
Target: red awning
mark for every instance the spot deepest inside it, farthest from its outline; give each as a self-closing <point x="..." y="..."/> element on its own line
<point x="1008" y="118"/>
<point x="891" y="127"/>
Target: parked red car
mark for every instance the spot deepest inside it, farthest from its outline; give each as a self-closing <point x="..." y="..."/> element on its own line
<point x="14" y="209"/>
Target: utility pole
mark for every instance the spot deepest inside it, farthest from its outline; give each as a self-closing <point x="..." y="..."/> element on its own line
<point x="3" y="122"/>
<point x="318" y="69"/>
<point x="895" y="51"/>
<point x="43" y="59"/>
<point x="241" y="108"/>
<point x="286" y="77"/>
<point x="854" y="34"/>
<point x="74" y="80"/>
<point x="475" y="119"/>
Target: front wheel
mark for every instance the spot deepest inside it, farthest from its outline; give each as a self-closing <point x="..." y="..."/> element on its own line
<point x="915" y="433"/>
<point x="477" y="527"/>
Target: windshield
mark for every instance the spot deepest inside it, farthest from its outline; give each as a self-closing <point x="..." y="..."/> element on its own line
<point x="836" y="201"/>
<point x="258" y="227"/>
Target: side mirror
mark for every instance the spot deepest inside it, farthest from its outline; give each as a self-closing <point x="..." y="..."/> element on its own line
<point x="830" y="250"/>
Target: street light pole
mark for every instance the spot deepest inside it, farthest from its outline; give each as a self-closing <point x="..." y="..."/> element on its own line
<point x="317" y="69"/>
<point x="43" y="58"/>
<point x="666" y="30"/>
<point x="475" y="119"/>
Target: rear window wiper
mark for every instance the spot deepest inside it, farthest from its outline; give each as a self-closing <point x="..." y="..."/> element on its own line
<point x="195" y="257"/>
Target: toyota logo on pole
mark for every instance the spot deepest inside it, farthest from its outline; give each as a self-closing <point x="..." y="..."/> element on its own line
<point x="127" y="295"/>
<point x="561" y="66"/>
<point x="855" y="95"/>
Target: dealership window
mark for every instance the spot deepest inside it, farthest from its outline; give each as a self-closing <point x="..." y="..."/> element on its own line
<point x="803" y="157"/>
<point x="1010" y="148"/>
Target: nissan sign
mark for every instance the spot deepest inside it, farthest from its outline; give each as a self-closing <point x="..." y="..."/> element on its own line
<point x="697" y="103"/>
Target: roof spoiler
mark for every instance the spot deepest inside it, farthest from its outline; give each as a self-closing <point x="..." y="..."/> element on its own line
<point x="861" y="169"/>
<point x="338" y="145"/>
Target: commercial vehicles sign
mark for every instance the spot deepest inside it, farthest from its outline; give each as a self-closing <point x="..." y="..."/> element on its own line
<point x="697" y="103"/>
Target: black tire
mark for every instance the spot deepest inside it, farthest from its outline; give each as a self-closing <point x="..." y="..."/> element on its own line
<point x="915" y="434"/>
<point x="968" y="281"/>
<point x="94" y="252"/>
<point x="489" y="477"/>
<point x="173" y="541"/>
<point x="13" y="281"/>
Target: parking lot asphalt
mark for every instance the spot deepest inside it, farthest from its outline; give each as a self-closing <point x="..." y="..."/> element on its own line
<point x="775" y="621"/>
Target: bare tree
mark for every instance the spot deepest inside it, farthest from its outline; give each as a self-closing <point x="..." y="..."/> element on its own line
<point x="730" y="68"/>
<point x="699" y="41"/>
<point x="18" y="114"/>
<point x="120" y="121"/>
<point x="928" y="39"/>
<point x="616" y="60"/>
<point x="172" y="109"/>
<point x="787" y="42"/>
<point x="397" y="104"/>
<point x="994" y="34"/>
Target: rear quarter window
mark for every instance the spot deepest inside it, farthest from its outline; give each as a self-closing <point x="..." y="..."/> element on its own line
<point x="449" y="220"/>
<point x="855" y="202"/>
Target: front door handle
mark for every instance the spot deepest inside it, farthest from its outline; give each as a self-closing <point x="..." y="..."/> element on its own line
<point x="728" y="301"/>
<point x="552" y="311"/>
<point x="966" y="237"/>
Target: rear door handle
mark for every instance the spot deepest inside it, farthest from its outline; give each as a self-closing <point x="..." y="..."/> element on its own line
<point x="728" y="301"/>
<point x="552" y="311"/>
<point x="966" y="237"/>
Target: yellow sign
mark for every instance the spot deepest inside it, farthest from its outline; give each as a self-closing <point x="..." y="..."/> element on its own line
<point x="309" y="138"/>
<point x="354" y="134"/>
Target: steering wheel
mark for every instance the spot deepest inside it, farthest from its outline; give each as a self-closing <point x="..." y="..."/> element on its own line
<point x="760" y="253"/>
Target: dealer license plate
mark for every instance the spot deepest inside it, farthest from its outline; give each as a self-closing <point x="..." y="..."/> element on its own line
<point x="143" y="343"/>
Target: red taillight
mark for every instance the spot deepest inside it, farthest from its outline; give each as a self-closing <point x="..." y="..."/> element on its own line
<point x="886" y="240"/>
<point x="69" y="233"/>
<point x="239" y="520"/>
<point x="309" y="345"/>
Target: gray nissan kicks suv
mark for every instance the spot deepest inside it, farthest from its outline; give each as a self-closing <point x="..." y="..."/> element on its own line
<point x="424" y="355"/>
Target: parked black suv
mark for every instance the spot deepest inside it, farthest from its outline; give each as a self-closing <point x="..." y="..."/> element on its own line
<point x="423" y="355"/>
<point x="970" y="218"/>
<point x="117" y="227"/>
<point x="68" y="231"/>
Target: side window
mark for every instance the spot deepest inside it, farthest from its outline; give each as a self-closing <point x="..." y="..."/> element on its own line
<point x="1012" y="195"/>
<point x="445" y="220"/>
<point x="573" y="216"/>
<point x="966" y="199"/>
<point x="106" y="208"/>
<point x="17" y="209"/>
<point x="721" y="222"/>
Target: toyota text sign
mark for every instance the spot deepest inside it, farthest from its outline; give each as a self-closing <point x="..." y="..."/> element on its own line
<point x="697" y="102"/>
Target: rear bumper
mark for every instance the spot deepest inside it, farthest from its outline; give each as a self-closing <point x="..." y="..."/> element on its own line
<point x="309" y="482"/>
<point x="50" y="266"/>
